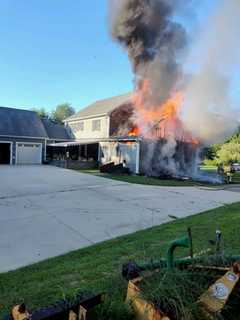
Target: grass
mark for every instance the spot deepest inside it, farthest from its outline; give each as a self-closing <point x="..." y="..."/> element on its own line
<point x="98" y="267"/>
<point x="209" y="168"/>
<point x="176" y="292"/>
<point x="151" y="181"/>
<point x="161" y="182"/>
<point x="236" y="177"/>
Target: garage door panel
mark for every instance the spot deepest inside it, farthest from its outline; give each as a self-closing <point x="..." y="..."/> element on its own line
<point x="29" y="153"/>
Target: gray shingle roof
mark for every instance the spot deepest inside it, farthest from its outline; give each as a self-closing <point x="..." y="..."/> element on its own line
<point x="55" y="130"/>
<point x="101" y="107"/>
<point x="21" y="123"/>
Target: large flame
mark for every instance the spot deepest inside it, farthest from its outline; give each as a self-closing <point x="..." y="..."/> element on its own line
<point x="134" y="132"/>
<point x="159" y="121"/>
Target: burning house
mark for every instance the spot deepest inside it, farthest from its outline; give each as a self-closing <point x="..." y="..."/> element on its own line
<point x="175" y="113"/>
<point x="106" y="132"/>
<point x="159" y="128"/>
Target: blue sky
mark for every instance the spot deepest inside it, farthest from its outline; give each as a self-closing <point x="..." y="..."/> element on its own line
<point x="60" y="51"/>
<point x="57" y="51"/>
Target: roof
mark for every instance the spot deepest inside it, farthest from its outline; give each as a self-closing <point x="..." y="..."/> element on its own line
<point x="55" y="130"/>
<point x="101" y="107"/>
<point x="21" y="123"/>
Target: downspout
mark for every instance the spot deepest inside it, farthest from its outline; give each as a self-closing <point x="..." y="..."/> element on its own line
<point x="45" y="151"/>
<point x="99" y="153"/>
<point x="138" y="157"/>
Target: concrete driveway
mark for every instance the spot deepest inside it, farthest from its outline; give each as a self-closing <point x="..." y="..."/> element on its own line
<point x="47" y="211"/>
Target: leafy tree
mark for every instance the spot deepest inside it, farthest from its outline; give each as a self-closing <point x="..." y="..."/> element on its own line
<point x="62" y="112"/>
<point x="42" y="113"/>
<point x="236" y="138"/>
<point x="223" y="153"/>
<point x="229" y="152"/>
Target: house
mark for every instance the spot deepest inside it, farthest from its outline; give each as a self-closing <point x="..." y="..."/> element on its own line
<point x="104" y="132"/>
<point x="24" y="136"/>
<point x="100" y="133"/>
<point x="97" y="121"/>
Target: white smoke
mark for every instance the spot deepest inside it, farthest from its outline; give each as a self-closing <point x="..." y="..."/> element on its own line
<point x="209" y="112"/>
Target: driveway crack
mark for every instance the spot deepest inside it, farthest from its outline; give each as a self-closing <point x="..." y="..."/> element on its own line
<point x="70" y="228"/>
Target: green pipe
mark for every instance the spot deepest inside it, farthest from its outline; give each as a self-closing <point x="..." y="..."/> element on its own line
<point x="179" y="243"/>
<point x="163" y="263"/>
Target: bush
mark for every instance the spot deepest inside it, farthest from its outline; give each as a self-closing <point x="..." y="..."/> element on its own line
<point x="229" y="152"/>
<point x="210" y="162"/>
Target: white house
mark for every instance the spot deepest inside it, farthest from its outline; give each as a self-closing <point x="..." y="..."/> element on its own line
<point x="100" y="134"/>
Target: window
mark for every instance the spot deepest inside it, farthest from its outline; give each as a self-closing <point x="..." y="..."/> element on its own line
<point x="96" y="125"/>
<point x="79" y="126"/>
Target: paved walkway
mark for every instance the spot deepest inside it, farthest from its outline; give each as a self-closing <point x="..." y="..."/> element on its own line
<point x="47" y="211"/>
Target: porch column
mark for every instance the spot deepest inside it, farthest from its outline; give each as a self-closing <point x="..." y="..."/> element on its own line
<point x="79" y="152"/>
<point x="137" y="157"/>
<point x="86" y="151"/>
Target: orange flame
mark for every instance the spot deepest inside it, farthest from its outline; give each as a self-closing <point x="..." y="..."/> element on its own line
<point x="159" y="121"/>
<point x="134" y="132"/>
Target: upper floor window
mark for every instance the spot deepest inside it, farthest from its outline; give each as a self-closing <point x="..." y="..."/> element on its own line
<point x="96" y="125"/>
<point x="79" y="126"/>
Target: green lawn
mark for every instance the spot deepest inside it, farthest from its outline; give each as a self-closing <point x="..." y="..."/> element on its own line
<point x="236" y="175"/>
<point x="209" y="168"/>
<point x="151" y="181"/>
<point x="98" y="267"/>
<point x="161" y="182"/>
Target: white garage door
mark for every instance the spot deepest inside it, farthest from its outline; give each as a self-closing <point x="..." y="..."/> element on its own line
<point x="29" y="153"/>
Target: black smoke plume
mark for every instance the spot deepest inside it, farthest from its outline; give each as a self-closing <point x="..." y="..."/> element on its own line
<point x="145" y="28"/>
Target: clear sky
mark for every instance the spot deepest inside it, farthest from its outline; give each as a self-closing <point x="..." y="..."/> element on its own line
<point x="56" y="51"/>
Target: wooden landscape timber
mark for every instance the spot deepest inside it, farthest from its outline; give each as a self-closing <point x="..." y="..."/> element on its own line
<point x="143" y="309"/>
<point x="217" y="296"/>
<point x="79" y="309"/>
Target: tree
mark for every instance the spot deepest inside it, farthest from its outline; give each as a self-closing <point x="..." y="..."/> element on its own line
<point x="42" y="113"/>
<point x="229" y="152"/>
<point x="223" y="153"/>
<point x="62" y="112"/>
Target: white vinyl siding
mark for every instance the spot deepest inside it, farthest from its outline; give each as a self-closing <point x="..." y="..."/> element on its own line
<point x="93" y="128"/>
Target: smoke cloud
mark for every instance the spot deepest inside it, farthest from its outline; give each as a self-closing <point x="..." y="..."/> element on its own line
<point x="209" y="112"/>
<point x="154" y="42"/>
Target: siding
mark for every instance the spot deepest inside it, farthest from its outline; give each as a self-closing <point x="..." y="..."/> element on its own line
<point x="117" y="152"/>
<point x="88" y="133"/>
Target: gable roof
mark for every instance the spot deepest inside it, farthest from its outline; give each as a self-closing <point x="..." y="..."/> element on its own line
<point x="21" y="123"/>
<point x="55" y="130"/>
<point x="101" y="107"/>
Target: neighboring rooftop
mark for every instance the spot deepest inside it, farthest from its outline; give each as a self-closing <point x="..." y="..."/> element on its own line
<point x="21" y="123"/>
<point x="26" y="123"/>
<point x="101" y="107"/>
<point x="55" y="130"/>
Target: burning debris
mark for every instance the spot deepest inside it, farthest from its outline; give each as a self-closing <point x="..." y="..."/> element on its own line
<point x="167" y="103"/>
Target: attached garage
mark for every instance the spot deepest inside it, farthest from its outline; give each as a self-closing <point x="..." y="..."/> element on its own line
<point x="28" y="153"/>
<point x="5" y="152"/>
<point x="24" y="136"/>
